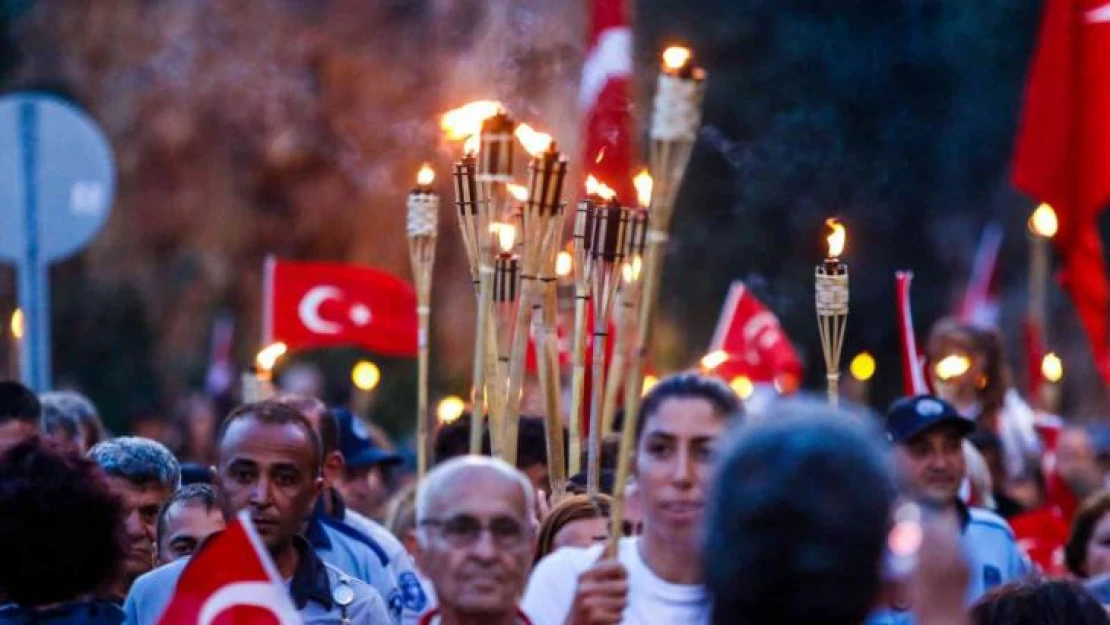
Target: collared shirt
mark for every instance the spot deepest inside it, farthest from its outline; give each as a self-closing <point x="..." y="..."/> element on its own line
<point x="993" y="558"/>
<point x="355" y="554"/>
<point x="96" y="612"/>
<point x="411" y="596"/>
<point x="311" y="588"/>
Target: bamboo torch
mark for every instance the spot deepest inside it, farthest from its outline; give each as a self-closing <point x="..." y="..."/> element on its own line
<point x="1043" y="226"/>
<point x="582" y="268"/>
<point x="831" y="297"/>
<point x="676" y="116"/>
<point x="258" y="384"/>
<point x="423" y="224"/>
<point x="542" y="223"/>
<point x="607" y="253"/>
<point x="477" y="184"/>
<point x="506" y="285"/>
<point x="625" y="316"/>
<point x="545" y="322"/>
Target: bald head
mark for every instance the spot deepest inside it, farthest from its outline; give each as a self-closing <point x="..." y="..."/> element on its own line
<point x="475" y="523"/>
<point x="450" y="481"/>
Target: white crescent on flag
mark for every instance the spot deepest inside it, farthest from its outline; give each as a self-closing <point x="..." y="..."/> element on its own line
<point x="1099" y="14"/>
<point x="263" y="595"/>
<point x="611" y="57"/>
<point x="309" y="309"/>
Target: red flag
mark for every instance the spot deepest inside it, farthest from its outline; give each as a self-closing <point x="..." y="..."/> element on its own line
<point x="754" y="340"/>
<point x="604" y="98"/>
<point x="913" y="377"/>
<point x="1063" y="151"/>
<point x="232" y="579"/>
<point x="326" y="305"/>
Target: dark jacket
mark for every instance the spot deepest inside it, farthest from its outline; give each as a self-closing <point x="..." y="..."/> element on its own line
<point x="79" y="613"/>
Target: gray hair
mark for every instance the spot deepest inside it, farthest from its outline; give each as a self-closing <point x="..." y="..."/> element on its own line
<point x="71" y="412"/>
<point x="140" y="461"/>
<point x="433" y="485"/>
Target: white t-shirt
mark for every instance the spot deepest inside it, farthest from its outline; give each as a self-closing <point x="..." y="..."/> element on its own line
<point x="550" y="592"/>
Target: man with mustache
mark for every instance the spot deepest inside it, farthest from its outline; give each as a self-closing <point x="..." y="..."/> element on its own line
<point x="475" y="529"/>
<point x="928" y="435"/>
<point x="143" y="474"/>
<point x="268" y="464"/>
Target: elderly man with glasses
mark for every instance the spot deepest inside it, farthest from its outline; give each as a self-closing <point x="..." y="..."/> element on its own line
<point x="476" y="531"/>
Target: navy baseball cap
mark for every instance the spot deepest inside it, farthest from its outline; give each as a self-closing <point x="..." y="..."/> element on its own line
<point x="910" y="416"/>
<point x="356" y="444"/>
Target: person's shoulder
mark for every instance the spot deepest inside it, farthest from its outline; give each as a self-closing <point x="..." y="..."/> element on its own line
<point x="157" y="579"/>
<point x="986" y="521"/>
<point x="576" y="559"/>
<point x="376" y="532"/>
<point x="348" y="535"/>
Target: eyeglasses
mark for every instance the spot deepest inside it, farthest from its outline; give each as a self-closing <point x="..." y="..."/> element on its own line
<point x="463" y="530"/>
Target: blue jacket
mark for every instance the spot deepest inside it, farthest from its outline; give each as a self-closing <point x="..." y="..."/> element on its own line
<point x="993" y="556"/>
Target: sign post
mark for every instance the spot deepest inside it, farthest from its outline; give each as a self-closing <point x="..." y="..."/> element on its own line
<point x="57" y="179"/>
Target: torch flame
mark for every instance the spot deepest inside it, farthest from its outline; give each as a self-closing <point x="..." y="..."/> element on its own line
<point x="268" y="356"/>
<point x="471" y="145"/>
<point x="1043" y="222"/>
<point x="519" y="192"/>
<point x="534" y="142"/>
<point x="467" y="119"/>
<point x="17" y="324"/>
<point x="564" y="264"/>
<point x="450" y="409"/>
<point x="506" y="235"/>
<point x="676" y="57"/>
<point x="953" y="366"/>
<point x="643" y="183"/>
<point x="630" y="271"/>
<point x="599" y="189"/>
<point x="712" y="360"/>
<point x="743" y="386"/>
<point x="836" y="238"/>
<point x="426" y="175"/>
<point x="1052" y="368"/>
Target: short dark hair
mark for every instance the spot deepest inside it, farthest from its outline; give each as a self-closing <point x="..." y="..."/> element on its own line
<point x="797" y="519"/>
<point x="688" y="385"/>
<point x="61" y="532"/>
<point x="453" y="439"/>
<point x="532" y="442"/>
<point x="1088" y="515"/>
<point x="1039" y="602"/>
<point x="275" y="412"/>
<point x="141" y="461"/>
<point x="202" y="494"/>
<point x="326" y="422"/>
<point x="18" y="403"/>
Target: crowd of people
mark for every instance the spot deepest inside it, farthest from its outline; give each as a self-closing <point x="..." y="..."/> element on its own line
<point x="802" y="514"/>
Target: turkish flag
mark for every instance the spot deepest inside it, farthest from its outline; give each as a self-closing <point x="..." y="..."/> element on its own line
<point x="312" y="305"/>
<point x="605" y="100"/>
<point x="231" y="580"/>
<point x="913" y="373"/>
<point x="754" y="340"/>
<point x="1063" y="151"/>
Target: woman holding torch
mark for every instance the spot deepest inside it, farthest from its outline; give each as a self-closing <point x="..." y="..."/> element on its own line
<point x="654" y="577"/>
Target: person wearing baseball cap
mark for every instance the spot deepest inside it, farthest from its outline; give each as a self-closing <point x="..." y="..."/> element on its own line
<point x="365" y="481"/>
<point x="928" y="437"/>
